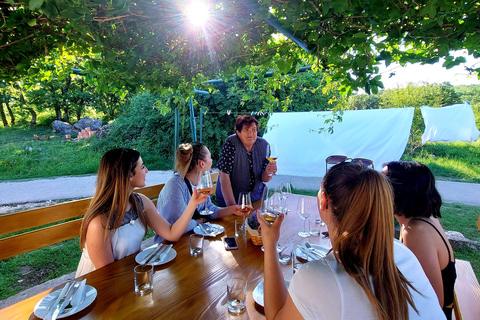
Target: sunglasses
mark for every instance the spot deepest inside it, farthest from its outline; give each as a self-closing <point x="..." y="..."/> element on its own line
<point x="338" y="159"/>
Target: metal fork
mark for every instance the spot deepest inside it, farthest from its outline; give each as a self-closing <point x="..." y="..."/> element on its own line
<point x="313" y="250"/>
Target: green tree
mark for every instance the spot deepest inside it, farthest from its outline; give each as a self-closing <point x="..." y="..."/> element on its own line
<point x="150" y="45"/>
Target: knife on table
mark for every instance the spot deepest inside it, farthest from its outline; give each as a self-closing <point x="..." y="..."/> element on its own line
<point x="152" y="254"/>
<point x="65" y="300"/>
<point x="56" y="301"/>
<point x="207" y="229"/>
<point x="308" y="253"/>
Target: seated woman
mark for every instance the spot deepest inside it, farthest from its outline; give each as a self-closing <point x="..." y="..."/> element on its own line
<point x="366" y="275"/>
<point x="417" y="207"/>
<point x="116" y="220"/>
<point x="175" y="195"/>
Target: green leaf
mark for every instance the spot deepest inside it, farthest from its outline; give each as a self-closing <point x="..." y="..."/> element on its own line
<point x="12" y="2"/>
<point x="340" y="6"/>
<point x="431" y="10"/>
<point x="32" y="22"/>
<point x="35" y="4"/>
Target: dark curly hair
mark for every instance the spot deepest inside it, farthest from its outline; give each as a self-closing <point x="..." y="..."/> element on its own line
<point x="415" y="194"/>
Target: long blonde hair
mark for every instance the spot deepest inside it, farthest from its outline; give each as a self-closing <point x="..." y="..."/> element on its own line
<point x="187" y="157"/>
<point x="362" y="204"/>
<point x="112" y="192"/>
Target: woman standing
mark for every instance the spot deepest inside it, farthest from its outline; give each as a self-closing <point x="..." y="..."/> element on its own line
<point x="366" y="275"/>
<point x="176" y="194"/>
<point x="417" y="209"/>
<point x="243" y="166"/>
<point x="117" y="218"/>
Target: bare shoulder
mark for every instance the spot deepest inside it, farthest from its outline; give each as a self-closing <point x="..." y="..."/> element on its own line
<point x="418" y="233"/>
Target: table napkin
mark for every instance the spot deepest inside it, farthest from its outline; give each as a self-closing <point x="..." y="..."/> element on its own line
<point x="79" y="296"/>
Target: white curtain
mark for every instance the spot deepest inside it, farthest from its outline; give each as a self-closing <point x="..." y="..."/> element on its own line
<point x="450" y="123"/>
<point x="380" y="135"/>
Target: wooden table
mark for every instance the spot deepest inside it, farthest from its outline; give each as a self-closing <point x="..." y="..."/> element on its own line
<point x="185" y="288"/>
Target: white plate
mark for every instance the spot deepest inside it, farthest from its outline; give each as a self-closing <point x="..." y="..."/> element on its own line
<point x="217" y="229"/>
<point x="40" y="309"/>
<point x="318" y="247"/>
<point x="142" y="255"/>
<point x="258" y="292"/>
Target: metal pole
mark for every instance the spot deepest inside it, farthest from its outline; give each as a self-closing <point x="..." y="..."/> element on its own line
<point x="192" y="121"/>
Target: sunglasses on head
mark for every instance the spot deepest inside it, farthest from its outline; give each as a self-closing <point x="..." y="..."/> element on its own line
<point x="338" y="159"/>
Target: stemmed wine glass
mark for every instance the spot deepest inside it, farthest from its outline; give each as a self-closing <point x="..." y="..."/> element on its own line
<point x="245" y="204"/>
<point x="303" y="210"/>
<point x="286" y="192"/>
<point x="272" y="154"/>
<point x="205" y="186"/>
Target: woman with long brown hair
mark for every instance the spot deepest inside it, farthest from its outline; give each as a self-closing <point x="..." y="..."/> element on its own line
<point x="366" y="275"/>
<point x="117" y="218"/>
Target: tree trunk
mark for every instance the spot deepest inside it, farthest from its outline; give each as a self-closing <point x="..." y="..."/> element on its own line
<point x="12" y="117"/>
<point x="33" y="122"/>
<point x="68" y="81"/>
<point x="4" y="116"/>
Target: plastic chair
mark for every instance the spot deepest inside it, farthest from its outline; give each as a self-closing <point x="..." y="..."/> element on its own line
<point x="336" y="159"/>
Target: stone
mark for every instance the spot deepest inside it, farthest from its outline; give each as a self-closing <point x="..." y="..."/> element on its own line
<point x="63" y="127"/>
<point x="459" y="242"/>
<point x="87" y="122"/>
<point x="102" y="132"/>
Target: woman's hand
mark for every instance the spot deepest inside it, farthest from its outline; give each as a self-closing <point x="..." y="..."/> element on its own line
<point x="198" y="198"/>
<point x="236" y="210"/>
<point x="271" y="168"/>
<point x="270" y="232"/>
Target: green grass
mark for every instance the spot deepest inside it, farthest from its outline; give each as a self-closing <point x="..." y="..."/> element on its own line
<point x="458" y="161"/>
<point x="23" y="157"/>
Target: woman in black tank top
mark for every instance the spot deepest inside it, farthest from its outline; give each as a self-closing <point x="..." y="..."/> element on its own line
<point x="417" y="207"/>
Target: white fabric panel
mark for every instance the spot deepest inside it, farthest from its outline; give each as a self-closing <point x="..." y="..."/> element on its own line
<point x="379" y="135"/>
<point x="450" y="123"/>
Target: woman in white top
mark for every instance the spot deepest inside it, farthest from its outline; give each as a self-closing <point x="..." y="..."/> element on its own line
<point x="366" y="275"/>
<point x="117" y="219"/>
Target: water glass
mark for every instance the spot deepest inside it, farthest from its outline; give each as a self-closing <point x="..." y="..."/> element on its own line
<point x="285" y="254"/>
<point x="240" y="229"/>
<point x="236" y="295"/>
<point x="314" y="228"/>
<point x="196" y="244"/>
<point x="143" y="276"/>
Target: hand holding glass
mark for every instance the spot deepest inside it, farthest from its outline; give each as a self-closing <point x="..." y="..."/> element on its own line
<point x="205" y="186"/>
<point x="245" y="204"/>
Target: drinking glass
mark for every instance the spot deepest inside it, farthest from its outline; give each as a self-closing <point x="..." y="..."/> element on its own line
<point x="143" y="275"/>
<point x="196" y="244"/>
<point x="270" y="207"/>
<point x="303" y="210"/>
<point x="205" y="186"/>
<point x="285" y="255"/>
<point x="236" y="295"/>
<point x="286" y="192"/>
<point x="245" y="204"/>
<point x="272" y="154"/>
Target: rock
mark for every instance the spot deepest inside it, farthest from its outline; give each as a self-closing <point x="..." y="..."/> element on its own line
<point x="87" y="122"/>
<point x="102" y="132"/>
<point x="458" y="241"/>
<point x="63" y="127"/>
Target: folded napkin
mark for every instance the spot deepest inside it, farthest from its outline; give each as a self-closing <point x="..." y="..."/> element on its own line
<point x="51" y="308"/>
<point x="164" y="255"/>
<point x="79" y="296"/>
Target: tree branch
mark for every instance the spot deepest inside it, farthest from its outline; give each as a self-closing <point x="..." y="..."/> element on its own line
<point x="9" y="44"/>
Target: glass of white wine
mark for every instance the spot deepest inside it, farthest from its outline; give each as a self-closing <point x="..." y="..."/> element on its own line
<point x="205" y="186"/>
<point x="272" y="154"/>
<point x="270" y="207"/>
<point x="245" y="204"/>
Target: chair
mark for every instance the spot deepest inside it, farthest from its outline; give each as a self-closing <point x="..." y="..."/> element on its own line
<point x="336" y="159"/>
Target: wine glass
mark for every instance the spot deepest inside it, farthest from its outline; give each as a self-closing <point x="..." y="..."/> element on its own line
<point x="205" y="186"/>
<point x="286" y="192"/>
<point x="268" y="206"/>
<point x="303" y="210"/>
<point x="272" y="154"/>
<point x="245" y="204"/>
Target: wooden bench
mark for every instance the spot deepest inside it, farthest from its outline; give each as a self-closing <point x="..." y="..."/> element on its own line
<point x="467" y="293"/>
<point x="51" y="224"/>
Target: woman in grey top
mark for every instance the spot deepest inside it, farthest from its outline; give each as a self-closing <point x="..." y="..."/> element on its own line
<point x="175" y="195"/>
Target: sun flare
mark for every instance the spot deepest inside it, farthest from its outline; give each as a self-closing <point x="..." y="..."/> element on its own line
<point x="197" y="13"/>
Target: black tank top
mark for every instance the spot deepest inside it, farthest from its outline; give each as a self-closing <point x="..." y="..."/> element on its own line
<point x="449" y="274"/>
